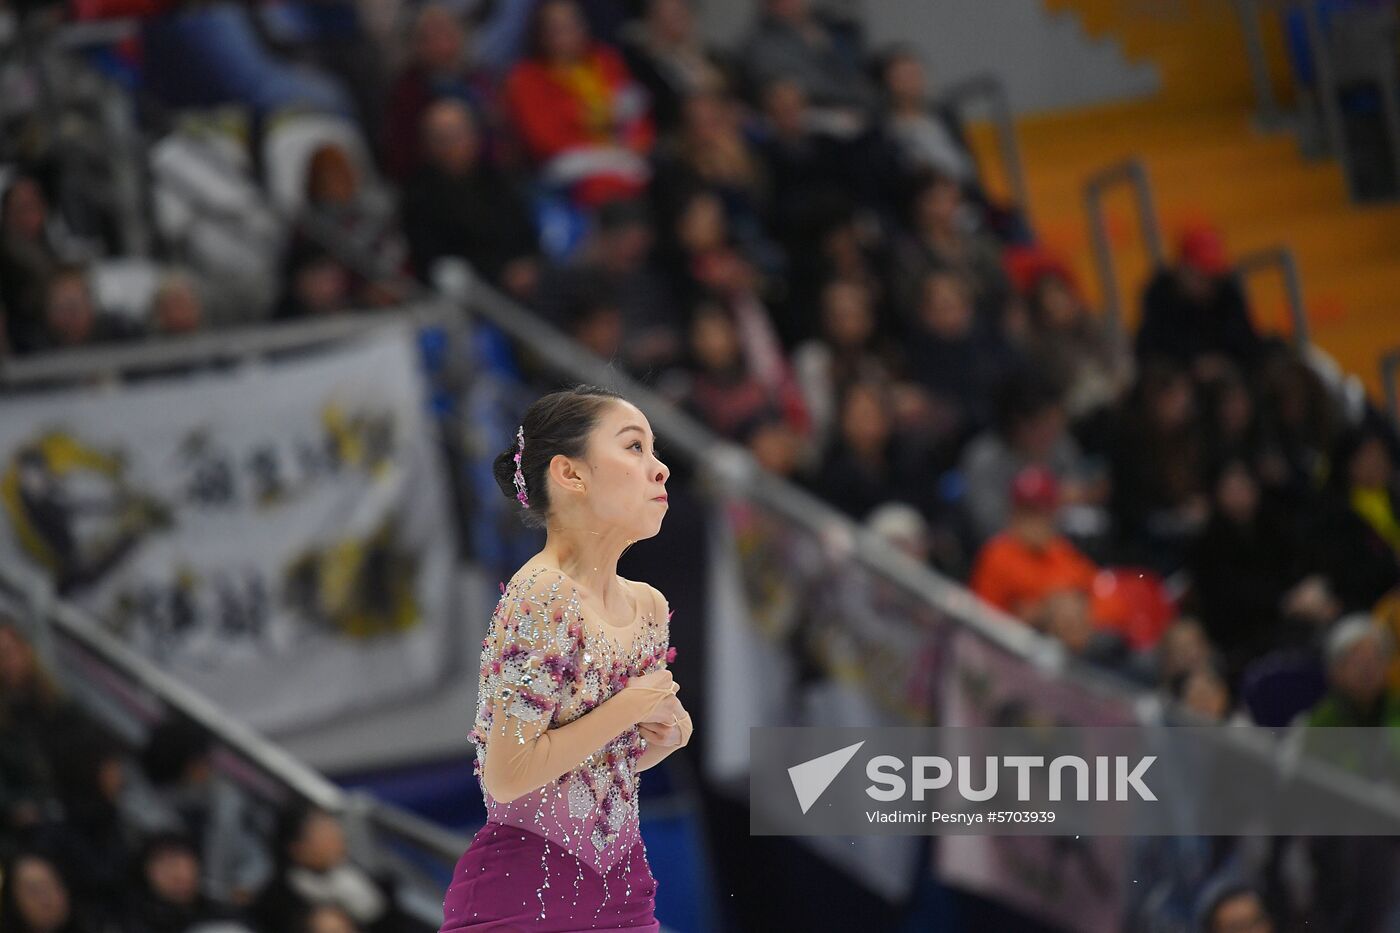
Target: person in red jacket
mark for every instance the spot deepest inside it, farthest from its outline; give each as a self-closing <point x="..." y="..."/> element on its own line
<point x="580" y="115"/>
<point x="1017" y="569"/>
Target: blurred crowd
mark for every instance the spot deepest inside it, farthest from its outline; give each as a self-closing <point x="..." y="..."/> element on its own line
<point x="98" y="836"/>
<point x="792" y="240"/>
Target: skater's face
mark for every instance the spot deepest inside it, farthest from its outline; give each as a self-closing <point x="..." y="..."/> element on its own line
<point x="623" y="479"/>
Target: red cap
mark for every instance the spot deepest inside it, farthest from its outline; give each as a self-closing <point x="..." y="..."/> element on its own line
<point x="1035" y="487"/>
<point x="1202" y="247"/>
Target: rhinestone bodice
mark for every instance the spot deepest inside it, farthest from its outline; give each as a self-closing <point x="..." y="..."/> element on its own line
<point x="574" y="664"/>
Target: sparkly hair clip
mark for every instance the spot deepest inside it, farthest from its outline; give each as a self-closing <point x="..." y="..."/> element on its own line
<point x="519" y="476"/>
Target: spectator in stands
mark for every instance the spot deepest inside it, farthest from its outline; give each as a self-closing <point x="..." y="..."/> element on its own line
<point x="28" y="258"/>
<point x="1344" y="529"/>
<point x="1365" y="474"/>
<point x="665" y="51"/>
<point x="1358" y="652"/>
<point x="192" y="798"/>
<point x="596" y="324"/>
<point x="35" y="899"/>
<point x="1072" y="346"/>
<point x="839" y="239"/>
<point x="925" y="139"/>
<point x="71" y="317"/>
<point x="1065" y="615"/>
<point x="458" y="205"/>
<point x="871" y="463"/>
<point x="315" y="284"/>
<point x="582" y="118"/>
<point x="789" y="42"/>
<point x="1248" y="576"/>
<point x="709" y="152"/>
<point x="1234" y="908"/>
<point x="315" y="870"/>
<point x="92" y="842"/>
<point x="166" y="896"/>
<point x="1183" y="647"/>
<point x="1203" y="690"/>
<point x="177" y="307"/>
<point x="806" y="167"/>
<point x="439" y="70"/>
<point x="1030" y="559"/>
<point x="36" y="723"/>
<point x="1234" y="428"/>
<point x="901" y="525"/>
<point x="1194" y="313"/>
<point x="939" y="238"/>
<point x="338" y="204"/>
<point x="698" y="255"/>
<point x="1301" y="417"/>
<point x="959" y="364"/>
<point x="617" y="257"/>
<point x="1030" y="429"/>
<point x="847" y="351"/>
<point x="722" y="390"/>
<point x="1158" y="469"/>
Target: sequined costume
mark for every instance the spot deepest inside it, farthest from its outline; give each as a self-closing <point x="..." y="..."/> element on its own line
<point x="560" y="746"/>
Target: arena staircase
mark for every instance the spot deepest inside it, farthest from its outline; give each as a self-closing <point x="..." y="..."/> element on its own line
<point x="1208" y="161"/>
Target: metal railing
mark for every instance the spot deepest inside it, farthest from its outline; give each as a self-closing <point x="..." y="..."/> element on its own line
<point x="1268" y="111"/>
<point x="1132" y="173"/>
<point x="991" y="90"/>
<point x="1282" y="259"/>
<point x="1328" y="80"/>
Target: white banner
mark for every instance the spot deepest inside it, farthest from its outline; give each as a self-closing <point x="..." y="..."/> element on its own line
<point x="1075" y="883"/>
<point x="765" y="595"/>
<point x="279" y="537"/>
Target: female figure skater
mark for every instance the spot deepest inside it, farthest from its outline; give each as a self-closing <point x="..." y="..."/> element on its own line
<point x="575" y="696"/>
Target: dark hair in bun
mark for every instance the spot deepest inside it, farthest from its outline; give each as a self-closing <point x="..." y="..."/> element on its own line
<point x="558" y="423"/>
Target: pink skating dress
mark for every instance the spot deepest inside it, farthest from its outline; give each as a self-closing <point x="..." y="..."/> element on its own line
<point x="567" y="856"/>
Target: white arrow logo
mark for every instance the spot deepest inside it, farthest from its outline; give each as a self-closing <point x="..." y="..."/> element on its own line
<point x="811" y="778"/>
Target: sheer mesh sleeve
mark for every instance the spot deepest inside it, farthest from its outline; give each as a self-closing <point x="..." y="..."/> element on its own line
<point x="663" y="613"/>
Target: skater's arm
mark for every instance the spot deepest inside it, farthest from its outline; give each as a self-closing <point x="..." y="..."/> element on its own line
<point x="525" y="755"/>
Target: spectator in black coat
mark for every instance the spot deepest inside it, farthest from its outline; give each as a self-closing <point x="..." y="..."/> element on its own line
<point x="1348" y="543"/>
<point x="957" y="362"/>
<point x="806" y="167"/>
<point x="1247" y="574"/>
<point x="1158" y="469"/>
<point x="92" y="842"/>
<point x="870" y="464"/>
<point x="165" y="896"/>
<point x="1194" y="313"/>
<point x="457" y="205"/>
